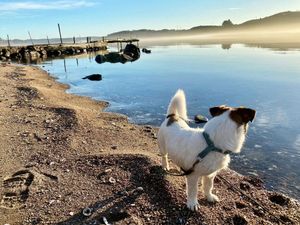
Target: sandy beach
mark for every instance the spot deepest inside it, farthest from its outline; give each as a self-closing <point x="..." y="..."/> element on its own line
<point x="66" y="161"/>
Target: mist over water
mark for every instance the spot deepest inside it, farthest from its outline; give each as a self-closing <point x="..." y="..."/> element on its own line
<point x="264" y="77"/>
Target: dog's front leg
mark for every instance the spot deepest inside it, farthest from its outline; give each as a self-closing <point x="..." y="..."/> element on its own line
<point x="208" y="184"/>
<point x="192" y="192"/>
<point x="165" y="163"/>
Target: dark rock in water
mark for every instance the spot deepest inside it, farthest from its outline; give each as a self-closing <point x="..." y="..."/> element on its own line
<point x="94" y="77"/>
<point x="200" y="119"/>
<point x="115" y="57"/>
<point x="112" y="57"/>
<point x="146" y="50"/>
<point x="100" y="59"/>
<point x="131" y="52"/>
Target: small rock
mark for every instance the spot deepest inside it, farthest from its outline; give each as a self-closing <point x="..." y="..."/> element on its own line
<point x="105" y="220"/>
<point x="87" y="211"/>
<point x="51" y="202"/>
<point x="112" y="180"/>
<point x="107" y="170"/>
<point x="244" y="186"/>
<point x="140" y="189"/>
<point x="114" y="147"/>
<point x="71" y="213"/>
<point x="122" y="193"/>
<point x="200" y="119"/>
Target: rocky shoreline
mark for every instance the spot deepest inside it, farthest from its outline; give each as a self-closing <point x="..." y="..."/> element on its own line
<point x="65" y="161"/>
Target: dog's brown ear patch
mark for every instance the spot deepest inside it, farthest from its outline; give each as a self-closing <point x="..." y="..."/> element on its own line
<point x="242" y="115"/>
<point x="218" y="110"/>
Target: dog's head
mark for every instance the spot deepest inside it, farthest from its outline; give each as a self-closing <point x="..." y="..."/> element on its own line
<point x="229" y="126"/>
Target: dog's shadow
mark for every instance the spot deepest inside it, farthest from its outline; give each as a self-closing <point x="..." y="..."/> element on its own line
<point x="163" y="199"/>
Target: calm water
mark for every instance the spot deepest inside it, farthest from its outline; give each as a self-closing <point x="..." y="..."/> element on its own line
<point x="263" y="79"/>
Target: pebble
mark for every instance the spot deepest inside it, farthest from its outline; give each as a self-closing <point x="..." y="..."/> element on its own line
<point x="200" y="119"/>
<point x="140" y="189"/>
<point x="112" y="180"/>
<point x="114" y="147"/>
<point x="87" y="211"/>
<point x="71" y="213"/>
<point x="51" y="202"/>
<point x="105" y="220"/>
<point x="107" y="170"/>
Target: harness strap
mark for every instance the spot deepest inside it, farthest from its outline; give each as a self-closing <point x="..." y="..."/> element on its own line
<point x="210" y="148"/>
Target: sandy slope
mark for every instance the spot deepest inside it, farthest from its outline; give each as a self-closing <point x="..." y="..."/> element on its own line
<point x="60" y="153"/>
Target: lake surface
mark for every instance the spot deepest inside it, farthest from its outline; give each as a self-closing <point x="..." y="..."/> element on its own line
<point x="264" y="79"/>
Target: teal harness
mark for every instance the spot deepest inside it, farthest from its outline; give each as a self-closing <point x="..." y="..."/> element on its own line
<point x="210" y="148"/>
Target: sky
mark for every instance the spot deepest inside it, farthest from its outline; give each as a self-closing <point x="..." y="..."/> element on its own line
<point x="101" y="17"/>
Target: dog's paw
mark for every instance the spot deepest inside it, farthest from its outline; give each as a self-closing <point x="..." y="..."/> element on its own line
<point x="193" y="205"/>
<point x="212" y="198"/>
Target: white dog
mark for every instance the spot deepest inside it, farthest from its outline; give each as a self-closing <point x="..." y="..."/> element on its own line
<point x="201" y="153"/>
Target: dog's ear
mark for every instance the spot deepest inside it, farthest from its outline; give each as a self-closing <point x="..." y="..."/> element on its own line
<point x="218" y="110"/>
<point x="242" y="115"/>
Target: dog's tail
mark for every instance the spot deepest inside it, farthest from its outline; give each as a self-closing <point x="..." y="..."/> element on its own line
<point x="177" y="105"/>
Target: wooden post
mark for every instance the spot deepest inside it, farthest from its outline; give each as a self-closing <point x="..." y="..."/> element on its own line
<point x="48" y="40"/>
<point x="61" y="42"/>
<point x="8" y="42"/>
<point x="87" y="39"/>
<point x="74" y="41"/>
<point x="30" y="38"/>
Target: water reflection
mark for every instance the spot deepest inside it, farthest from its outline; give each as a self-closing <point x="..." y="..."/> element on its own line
<point x="226" y="46"/>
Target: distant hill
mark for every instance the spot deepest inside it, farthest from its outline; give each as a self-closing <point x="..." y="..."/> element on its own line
<point x="280" y="19"/>
<point x="279" y="22"/>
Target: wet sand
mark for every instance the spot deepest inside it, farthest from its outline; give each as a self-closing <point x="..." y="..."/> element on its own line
<point x="61" y="154"/>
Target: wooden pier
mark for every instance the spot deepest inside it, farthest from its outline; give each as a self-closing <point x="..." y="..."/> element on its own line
<point x="58" y="49"/>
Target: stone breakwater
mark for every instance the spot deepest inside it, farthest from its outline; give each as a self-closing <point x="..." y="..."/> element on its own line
<point x="36" y="52"/>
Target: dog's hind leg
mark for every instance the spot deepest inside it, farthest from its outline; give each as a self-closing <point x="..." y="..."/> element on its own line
<point x="163" y="152"/>
<point x="208" y="183"/>
<point x="192" y="191"/>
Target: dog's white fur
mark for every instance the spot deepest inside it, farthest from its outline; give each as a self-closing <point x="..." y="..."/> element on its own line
<point x="183" y="143"/>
